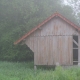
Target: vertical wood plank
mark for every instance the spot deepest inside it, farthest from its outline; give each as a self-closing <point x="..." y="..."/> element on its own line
<point x="35" y="51"/>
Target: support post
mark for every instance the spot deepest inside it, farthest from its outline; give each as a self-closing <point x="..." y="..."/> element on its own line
<point x="78" y="64"/>
<point x="35" y="67"/>
<point x="57" y="64"/>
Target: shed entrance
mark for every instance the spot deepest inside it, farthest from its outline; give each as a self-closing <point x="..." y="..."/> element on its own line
<point x="75" y="50"/>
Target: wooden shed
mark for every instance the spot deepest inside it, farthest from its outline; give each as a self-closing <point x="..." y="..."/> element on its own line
<point x="54" y="41"/>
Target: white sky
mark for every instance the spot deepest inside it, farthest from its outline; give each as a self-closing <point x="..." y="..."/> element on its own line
<point x="65" y="2"/>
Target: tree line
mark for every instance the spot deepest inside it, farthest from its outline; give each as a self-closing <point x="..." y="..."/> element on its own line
<point x="17" y="17"/>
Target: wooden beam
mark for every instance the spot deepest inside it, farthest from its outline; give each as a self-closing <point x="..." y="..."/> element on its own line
<point x="35" y="68"/>
<point x="75" y="42"/>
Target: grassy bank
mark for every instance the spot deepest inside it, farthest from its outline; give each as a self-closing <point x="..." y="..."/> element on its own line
<point x="25" y="71"/>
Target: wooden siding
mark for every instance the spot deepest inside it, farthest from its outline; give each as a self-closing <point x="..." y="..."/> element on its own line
<point x="52" y="43"/>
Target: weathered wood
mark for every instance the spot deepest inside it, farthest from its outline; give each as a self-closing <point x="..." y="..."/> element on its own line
<point x="70" y="50"/>
<point x="53" y="43"/>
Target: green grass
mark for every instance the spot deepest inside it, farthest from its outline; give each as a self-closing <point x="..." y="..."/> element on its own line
<point x="25" y="71"/>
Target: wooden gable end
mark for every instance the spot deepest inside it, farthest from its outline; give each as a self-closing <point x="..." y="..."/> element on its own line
<point x="43" y="23"/>
<point x="55" y="27"/>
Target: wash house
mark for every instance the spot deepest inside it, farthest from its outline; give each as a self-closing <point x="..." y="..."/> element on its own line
<point x="55" y="41"/>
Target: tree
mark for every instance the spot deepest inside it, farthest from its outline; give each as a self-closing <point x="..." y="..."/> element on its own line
<point x="17" y="17"/>
<point x="75" y="5"/>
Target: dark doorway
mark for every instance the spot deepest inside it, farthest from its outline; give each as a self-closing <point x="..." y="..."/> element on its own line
<point x="75" y="50"/>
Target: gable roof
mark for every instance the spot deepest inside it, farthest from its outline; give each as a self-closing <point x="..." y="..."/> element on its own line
<point x="48" y="19"/>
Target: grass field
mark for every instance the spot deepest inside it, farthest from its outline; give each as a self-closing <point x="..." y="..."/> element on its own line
<point x="25" y="71"/>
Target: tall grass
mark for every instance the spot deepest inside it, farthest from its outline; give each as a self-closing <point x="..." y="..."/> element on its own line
<point x="25" y="71"/>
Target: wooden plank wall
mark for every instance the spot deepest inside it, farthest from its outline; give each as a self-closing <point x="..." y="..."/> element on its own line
<point x="52" y="43"/>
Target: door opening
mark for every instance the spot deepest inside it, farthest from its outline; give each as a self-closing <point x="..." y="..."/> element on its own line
<point x="75" y="50"/>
